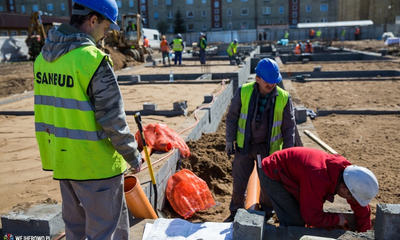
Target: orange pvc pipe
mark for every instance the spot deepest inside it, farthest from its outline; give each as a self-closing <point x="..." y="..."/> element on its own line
<point x="136" y="199"/>
<point x="165" y="147"/>
<point x="253" y="191"/>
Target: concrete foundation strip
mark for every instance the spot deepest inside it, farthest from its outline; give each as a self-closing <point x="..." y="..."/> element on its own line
<point x="356" y="112"/>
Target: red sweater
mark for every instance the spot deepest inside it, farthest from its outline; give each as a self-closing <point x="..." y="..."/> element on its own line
<point x="312" y="175"/>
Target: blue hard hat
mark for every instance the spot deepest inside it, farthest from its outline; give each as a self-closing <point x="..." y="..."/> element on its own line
<point x="144" y="36"/>
<point x="268" y="70"/>
<point x="107" y="8"/>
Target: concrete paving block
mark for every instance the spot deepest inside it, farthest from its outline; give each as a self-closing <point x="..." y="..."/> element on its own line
<point x="248" y="224"/>
<point x="149" y="106"/>
<point x="300" y="113"/>
<point x="180" y="105"/>
<point x="40" y="220"/>
<point x="387" y="224"/>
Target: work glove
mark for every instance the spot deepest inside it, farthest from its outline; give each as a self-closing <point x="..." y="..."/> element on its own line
<point x="229" y="148"/>
<point x="135" y="160"/>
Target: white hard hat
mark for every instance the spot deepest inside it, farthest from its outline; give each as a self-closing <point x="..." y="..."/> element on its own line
<point x="362" y="183"/>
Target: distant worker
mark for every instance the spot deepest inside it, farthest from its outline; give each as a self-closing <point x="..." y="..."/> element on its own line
<point x="300" y="179"/>
<point x="309" y="48"/>
<point x="131" y="26"/>
<point x="343" y="34"/>
<point x="146" y="42"/>
<point x="165" y="50"/>
<point x="232" y="50"/>
<point x="259" y="121"/>
<point x="286" y="35"/>
<point x="312" y="33"/>
<point x="203" y="46"/>
<point x="357" y="34"/>
<point x="260" y="37"/>
<point x="80" y="124"/>
<point x="298" y="49"/>
<point x="265" y="36"/>
<point x="319" y="34"/>
<point x="177" y="46"/>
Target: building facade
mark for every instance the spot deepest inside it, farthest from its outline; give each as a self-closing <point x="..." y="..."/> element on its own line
<point x="222" y="15"/>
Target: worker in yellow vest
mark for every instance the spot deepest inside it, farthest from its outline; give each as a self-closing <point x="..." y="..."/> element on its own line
<point x="259" y="122"/>
<point x="232" y="49"/>
<point x="319" y="34"/>
<point x="80" y="124"/>
<point x="177" y="46"/>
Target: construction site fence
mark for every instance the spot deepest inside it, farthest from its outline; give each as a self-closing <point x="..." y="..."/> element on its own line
<point x="295" y="34"/>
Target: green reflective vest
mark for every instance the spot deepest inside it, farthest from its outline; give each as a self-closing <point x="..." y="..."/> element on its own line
<point x="232" y="49"/>
<point x="177" y="45"/>
<point x="276" y="141"/>
<point x="71" y="143"/>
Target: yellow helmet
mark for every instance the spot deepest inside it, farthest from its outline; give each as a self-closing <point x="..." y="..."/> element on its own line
<point x="163" y="37"/>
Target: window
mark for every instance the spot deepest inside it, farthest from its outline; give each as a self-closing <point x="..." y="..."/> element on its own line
<point x="143" y="14"/>
<point x="143" y="1"/>
<point x="24" y="33"/>
<point x="308" y="20"/>
<point x="308" y="8"/>
<point x="294" y="14"/>
<point x="294" y="7"/>
<point x="62" y="6"/>
<point x="244" y="25"/>
<point x="131" y="3"/>
<point x="189" y="2"/>
<point x="143" y="7"/>
<point x="229" y="25"/>
<point x="35" y="8"/>
<point x="244" y="11"/>
<point x="295" y="1"/>
<point x="203" y="1"/>
<point x="323" y="7"/>
<point x="168" y="2"/>
<point x="216" y="18"/>
<point x="170" y="28"/>
<point x="50" y="7"/>
<point x="12" y="7"/>
<point x="216" y="11"/>
<point x="23" y="8"/>
<point x="189" y="14"/>
<point x="281" y="9"/>
<point x="204" y="26"/>
<point x="119" y="4"/>
<point x="323" y="20"/>
<point x="266" y="10"/>
<point x="13" y="33"/>
<point x="294" y="21"/>
<point x="155" y="2"/>
<point x="3" y="32"/>
<point x="216" y="24"/>
<point x="204" y="13"/>
<point x="216" y="4"/>
<point x="1" y="9"/>
<point x="229" y="12"/>
<point x="267" y="22"/>
<point x="228" y="1"/>
<point x="169" y="15"/>
<point x="190" y="27"/>
<point x="156" y="15"/>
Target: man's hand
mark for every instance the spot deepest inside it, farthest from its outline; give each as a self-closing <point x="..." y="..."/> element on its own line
<point x="229" y="148"/>
<point x="136" y="164"/>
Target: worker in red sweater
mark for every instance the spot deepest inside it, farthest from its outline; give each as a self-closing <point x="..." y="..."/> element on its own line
<point x="299" y="180"/>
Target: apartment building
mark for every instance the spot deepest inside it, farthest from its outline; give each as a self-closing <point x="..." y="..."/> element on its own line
<point x="215" y="15"/>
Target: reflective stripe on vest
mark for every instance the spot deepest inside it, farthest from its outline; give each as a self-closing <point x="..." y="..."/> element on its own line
<point x="71" y="142"/>
<point x="177" y="46"/>
<point x="276" y="141"/>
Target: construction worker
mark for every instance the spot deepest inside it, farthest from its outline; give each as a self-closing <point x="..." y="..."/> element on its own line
<point x="299" y="180"/>
<point x="165" y="50"/>
<point x="309" y="47"/>
<point x="319" y="34"/>
<point x="312" y="33"/>
<point x="131" y="26"/>
<point x="343" y="34"/>
<point x="146" y="42"/>
<point x="298" y="49"/>
<point x="259" y="122"/>
<point x="80" y="124"/>
<point x="357" y="34"/>
<point x="177" y="46"/>
<point x="203" y="46"/>
<point x="286" y="35"/>
<point x="232" y="50"/>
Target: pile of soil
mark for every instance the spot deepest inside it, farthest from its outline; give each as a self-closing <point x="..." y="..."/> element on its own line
<point x="120" y="60"/>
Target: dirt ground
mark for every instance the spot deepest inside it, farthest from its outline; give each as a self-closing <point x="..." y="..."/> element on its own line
<point x="370" y="141"/>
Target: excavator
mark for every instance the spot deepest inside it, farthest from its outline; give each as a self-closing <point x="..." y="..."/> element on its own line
<point x="129" y="40"/>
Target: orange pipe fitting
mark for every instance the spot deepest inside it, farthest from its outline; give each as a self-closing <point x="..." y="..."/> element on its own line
<point x="253" y="191"/>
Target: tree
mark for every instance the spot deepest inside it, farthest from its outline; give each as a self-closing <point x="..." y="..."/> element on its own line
<point x="162" y="27"/>
<point x="179" y="23"/>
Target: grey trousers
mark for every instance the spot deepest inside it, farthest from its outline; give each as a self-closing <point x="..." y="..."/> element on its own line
<point x="286" y="206"/>
<point x="242" y="167"/>
<point x="95" y="209"/>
